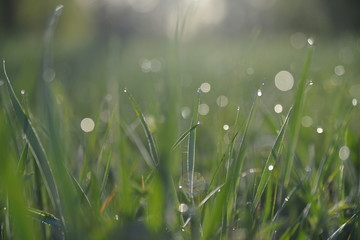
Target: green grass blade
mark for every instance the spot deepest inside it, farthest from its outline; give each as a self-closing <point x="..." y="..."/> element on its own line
<point x="45" y="217"/>
<point x="35" y="146"/>
<point x="336" y="234"/>
<point x="270" y="162"/>
<point x="295" y="122"/>
<point x="184" y="135"/>
<point x="106" y="173"/>
<point x="149" y="136"/>
<point x="23" y="157"/>
<point x="190" y="161"/>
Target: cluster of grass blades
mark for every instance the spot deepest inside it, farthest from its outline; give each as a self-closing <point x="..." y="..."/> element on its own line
<point x="115" y="185"/>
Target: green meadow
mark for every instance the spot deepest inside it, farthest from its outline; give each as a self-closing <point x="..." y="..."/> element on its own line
<point x="254" y="136"/>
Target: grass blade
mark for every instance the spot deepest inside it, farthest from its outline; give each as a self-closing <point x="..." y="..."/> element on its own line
<point x="298" y="108"/>
<point x="270" y="162"/>
<point x="35" y="146"/>
<point x="149" y="136"/>
<point x="184" y="135"/>
<point x="190" y="161"/>
<point x="336" y="234"/>
<point x="45" y="217"/>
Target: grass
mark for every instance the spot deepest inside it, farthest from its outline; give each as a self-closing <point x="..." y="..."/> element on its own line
<point x="148" y="172"/>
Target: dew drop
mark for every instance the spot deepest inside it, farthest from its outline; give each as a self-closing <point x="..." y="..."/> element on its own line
<point x="180" y="187"/>
<point x="183" y="207"/>
<point x="286" y="199"/>
<point x="319" y="130"/>
<point x="226" y="127"/>
<point x="278" y="108"/>
<point x="311" y="83"/>
<point x="271" y="167"/>
<point x="205" y="87"/>
<point x="116" y="217"/>
<point x="198" y="90"/>
<point x="310" y="41"/>
<point x="183" y="229"/>
<point x="238" y="108"/>
<point x="125" y="90"/>
<point x="87" y="125"/>
<point x="22" y="92"/>
<point x="219" y="190"/>
<point x="344" y="153"/>
<point x="354" y="102"/>
<point x="259" y="92"/>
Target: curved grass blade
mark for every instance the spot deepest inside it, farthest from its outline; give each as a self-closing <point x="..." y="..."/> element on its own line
<point x="23" y="157"/>
<point x="35" y="146"/>
<point x="184" y="135"/>
<point x="336" y="234"/>
<point x="45" y="217"/>
<point x="190" y="161"/>
<point x="149" y="136"/>
<point x="271" y="161"/>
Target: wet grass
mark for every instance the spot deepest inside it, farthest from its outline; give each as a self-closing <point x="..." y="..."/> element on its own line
<point x="159" y="165"/>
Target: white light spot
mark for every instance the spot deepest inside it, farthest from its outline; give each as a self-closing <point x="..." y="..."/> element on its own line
<point x="278" y="108"/>
<point x="344" y="153"/>
<point x="259" y="92"/>
<point x="284" y="81"/>
<point x="286" y="199"/>
<point x="183" y="207"/>
<point x="319" y="130"/>
<point x="204" y="109"/>
<point x="185" y="112"/>
<point x="298" y="40"/>
<point x="226" y="127"/>
<point x="311" y="41"/>
<point x="271" y="167"/>
<point x="311" y="83"/>
<point x="339" y="70"/>
<point x="222" y="101"/>
<point x="22" y="92"/>
<point x="306" y="121"/>
<point x="354" y="102"/>
<point x="205" y="87"/>
<point x="180" y="187"/>
<point x="87" y="125"/>
<point x="116" y="217"/>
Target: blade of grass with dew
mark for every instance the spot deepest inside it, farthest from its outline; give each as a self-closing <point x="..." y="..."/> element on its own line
<point x="184" y="135"/>
<point x="35" y="146"/>
<point x="190" y="161"/>
<point x="45" y="217"/>
<point x="149" y="136"/>
<point x="298" y="109"/>
<point x="270" y="162"/>
<point x="211" y="219"/>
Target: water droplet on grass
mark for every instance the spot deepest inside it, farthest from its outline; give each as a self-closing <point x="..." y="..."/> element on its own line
<point x="311" y="41"/>
<point x="354" y="102"/>
<point x="319" y="130"/>
<point x="87" y="125"/>
<point x="259" y="92"/>
<point x="22" y="92"/>
<point x="125" y="90"/>
<point x="344" y="153"/>
<point x="226" y="127"/>
<point x="205" y="87"/>
<point x="183" y="207"/>
<point x="116" y="217"/>
<point x="286" y="199"/>
<point x="278" y="108"/>
<point x="271" y="167"/>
